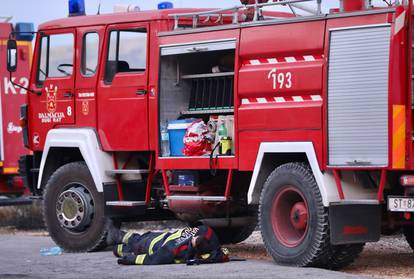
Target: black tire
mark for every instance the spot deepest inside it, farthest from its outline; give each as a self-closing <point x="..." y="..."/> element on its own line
<point x="236" y="234"/>
<point x="409" y="235"/>
<point x="293" y="183"/>
<point x="343" y="255"/>
<point x="92" y="236"/>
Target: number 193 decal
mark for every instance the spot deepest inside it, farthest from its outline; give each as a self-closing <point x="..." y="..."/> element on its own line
<point x="280" y="80"/>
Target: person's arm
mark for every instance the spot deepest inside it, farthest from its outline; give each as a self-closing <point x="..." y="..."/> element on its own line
<point x="162" y="256"/>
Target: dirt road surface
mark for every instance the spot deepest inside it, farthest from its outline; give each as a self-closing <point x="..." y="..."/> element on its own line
<point x="390" y="258"/>
<point x="20" y="258"/>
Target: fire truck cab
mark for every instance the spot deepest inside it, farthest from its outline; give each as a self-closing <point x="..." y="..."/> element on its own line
<point x="233" y="117"/>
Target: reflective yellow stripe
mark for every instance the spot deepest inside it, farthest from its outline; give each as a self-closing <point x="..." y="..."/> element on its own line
<point x="19" y="43"/>
<point x="119" y="250"/>
<point x="398" y="137"/>
<point x="205" y="256"/>
<point x="126" y="237"/>
<point x="155" y="241"/>
<point x="10" y="170"/>
<point x="175" y="235"/>
<point x="140" y="259"/>
<point x="178" y="261"/>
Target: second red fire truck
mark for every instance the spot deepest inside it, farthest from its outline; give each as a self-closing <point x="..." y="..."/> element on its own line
<point x="11" y="98"/>
<point x="230" y="117"/>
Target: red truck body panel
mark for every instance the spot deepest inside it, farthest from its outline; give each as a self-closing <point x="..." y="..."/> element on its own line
<point x="12" y="98"/>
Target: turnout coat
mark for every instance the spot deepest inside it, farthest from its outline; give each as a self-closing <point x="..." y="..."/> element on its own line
<point x="154" y="248"/>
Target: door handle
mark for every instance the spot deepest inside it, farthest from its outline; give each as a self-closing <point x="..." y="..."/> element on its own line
<point x="141" y="92"/>
<point x="197" y="49"/>
<point x="68" y="95"/>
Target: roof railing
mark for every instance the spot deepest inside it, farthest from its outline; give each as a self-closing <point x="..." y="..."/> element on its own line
<point x="368" y="3"/>
<point x="219" y="16"/>
<point x="233" y="13"/>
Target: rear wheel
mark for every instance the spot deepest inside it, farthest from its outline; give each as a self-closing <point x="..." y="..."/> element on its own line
<point x="294" y="222"/>
<point x="73" y="210"/>
<point x="343" y="255"/>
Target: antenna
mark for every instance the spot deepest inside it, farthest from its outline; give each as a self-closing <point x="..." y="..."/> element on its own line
<point x="99" y="8"/>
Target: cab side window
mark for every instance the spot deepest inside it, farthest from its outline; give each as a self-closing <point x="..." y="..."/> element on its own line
<point x="56" y="57"/>
<point x="43" y="66"/>
<point x="90" y="54"/>
<point x="127" y="52"/>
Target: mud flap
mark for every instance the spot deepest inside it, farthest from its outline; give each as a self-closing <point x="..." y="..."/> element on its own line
<point x="352" y="222"/>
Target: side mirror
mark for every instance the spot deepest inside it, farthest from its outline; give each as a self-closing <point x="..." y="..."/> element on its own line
<point x="11" y="55"/>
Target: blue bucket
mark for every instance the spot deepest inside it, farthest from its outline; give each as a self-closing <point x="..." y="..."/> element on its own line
<point x="176" y="133"/>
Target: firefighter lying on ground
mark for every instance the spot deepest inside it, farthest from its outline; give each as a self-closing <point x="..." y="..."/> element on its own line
<point x="189" y="245"/>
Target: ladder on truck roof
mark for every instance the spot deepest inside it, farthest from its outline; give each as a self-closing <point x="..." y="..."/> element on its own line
<point x="218" y="16"/>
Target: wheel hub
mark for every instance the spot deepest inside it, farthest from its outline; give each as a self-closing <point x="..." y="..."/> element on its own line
<point x="289" y="216"/>
<point x="74" y="208"/>
<point x="299" y="216"/>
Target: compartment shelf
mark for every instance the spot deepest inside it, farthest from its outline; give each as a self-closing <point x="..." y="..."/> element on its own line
<point x="211" y="93"/>
<point x="210" y="75"/>
<point x="208" y="111"/>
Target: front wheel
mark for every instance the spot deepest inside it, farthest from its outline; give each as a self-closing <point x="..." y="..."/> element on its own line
<point x="294" y="222"/>
<point x="73" y="210"/>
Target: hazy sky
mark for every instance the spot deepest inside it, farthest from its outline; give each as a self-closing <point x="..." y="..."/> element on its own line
<point x="38" y="11"/>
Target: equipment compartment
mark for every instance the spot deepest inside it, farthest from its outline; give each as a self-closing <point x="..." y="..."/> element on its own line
<point x="196" y="81"/>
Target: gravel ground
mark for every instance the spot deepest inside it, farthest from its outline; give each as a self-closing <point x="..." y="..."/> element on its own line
<point x="23" y="217"/>
<point x="391" y="257"/>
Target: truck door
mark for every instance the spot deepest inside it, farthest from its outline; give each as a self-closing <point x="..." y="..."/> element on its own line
<point x="122" y="93"/>
<point x="89" y="42"/>
<point x="53" y="104"/>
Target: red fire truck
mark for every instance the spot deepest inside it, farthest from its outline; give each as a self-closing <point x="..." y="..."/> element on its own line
<point x="12" y="97"/>
<point x="232" y="117"/>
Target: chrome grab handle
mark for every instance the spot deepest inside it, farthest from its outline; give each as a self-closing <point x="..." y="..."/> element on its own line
<point x="358" y="162"/>
<point x="197" y="49"/>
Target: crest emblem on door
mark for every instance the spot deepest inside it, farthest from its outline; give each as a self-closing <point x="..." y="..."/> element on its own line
<point x="51" y="93"/>
<point x="85" y="107"/>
